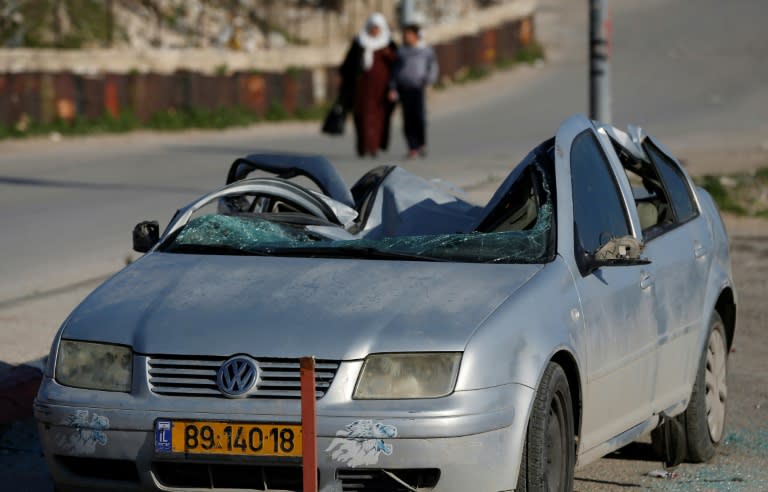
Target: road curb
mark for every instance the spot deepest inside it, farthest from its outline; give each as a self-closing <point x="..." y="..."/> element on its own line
<point x="18" y="387"/>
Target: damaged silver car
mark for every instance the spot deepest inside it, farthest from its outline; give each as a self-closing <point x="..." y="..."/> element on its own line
<point x="458" y="347"/>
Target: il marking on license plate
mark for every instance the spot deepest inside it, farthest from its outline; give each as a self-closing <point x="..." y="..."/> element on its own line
<point x="163" y="436"/>
<point x="229" y="438"/>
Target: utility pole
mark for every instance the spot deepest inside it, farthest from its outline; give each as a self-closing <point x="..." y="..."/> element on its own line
<point x="599" y="61"/>
<point x="109" y="11"/>
<point x="407" y="9"/>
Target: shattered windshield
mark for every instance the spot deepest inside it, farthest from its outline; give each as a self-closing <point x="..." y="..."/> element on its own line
<point x="517" y="228"/>
<point x="254" y="235"/>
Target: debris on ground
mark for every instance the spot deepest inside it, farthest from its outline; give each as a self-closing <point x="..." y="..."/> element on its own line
<point x="665" y="474"/>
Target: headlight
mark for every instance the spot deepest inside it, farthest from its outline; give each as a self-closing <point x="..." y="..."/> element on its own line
<point x="414" y="375"/>
<point x="95" y="366"/>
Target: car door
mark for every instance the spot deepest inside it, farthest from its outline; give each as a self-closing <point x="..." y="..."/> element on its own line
<point x="617" y="302"/>
<point x="680" y="250"/>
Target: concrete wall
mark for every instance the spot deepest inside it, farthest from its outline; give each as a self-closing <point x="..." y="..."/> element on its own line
<point x="46" y="96"/>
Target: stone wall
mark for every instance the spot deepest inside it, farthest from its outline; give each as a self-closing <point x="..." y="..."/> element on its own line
<point x="34" y="95"/>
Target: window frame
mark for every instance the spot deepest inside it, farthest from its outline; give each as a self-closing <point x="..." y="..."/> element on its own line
<point x="660" y="230"/>
<point x="579" y="250"/>
<point x="657" y="229"/>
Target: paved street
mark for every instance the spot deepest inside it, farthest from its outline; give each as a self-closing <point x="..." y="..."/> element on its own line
<point x="693" y="73"/>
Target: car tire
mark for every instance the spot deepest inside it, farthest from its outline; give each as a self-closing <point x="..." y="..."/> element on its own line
<point x="549" y="452"/>
<point x="704" y="419"/>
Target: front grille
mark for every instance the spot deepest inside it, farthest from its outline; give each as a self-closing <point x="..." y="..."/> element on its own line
<point x="377" y="480"/>
<point x="226" y="476"/>
<point x="196" y="376"/>
<point x="100" y="468"/>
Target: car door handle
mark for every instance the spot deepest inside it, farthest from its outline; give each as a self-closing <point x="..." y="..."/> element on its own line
<point x="646" y="281"/>
<point x="699" y="250"/>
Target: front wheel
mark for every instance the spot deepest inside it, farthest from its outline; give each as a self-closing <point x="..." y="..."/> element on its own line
<point x="549" y="453"/>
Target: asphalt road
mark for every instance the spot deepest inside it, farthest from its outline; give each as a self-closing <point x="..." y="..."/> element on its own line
<point x="692" y="73"/>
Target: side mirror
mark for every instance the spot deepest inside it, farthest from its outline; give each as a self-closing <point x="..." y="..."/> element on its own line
<point x="622" y="251"/>
<point x="145" y="236"/>
<point x="592" y="263"/>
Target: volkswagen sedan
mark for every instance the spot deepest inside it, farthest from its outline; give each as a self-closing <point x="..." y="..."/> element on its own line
<point x="457" y="347"/>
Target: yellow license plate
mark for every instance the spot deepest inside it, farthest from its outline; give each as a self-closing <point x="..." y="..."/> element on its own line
<point x="235" y="438"/>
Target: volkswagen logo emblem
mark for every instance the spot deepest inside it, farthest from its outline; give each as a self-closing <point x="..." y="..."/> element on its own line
<point x="238" y="376"/>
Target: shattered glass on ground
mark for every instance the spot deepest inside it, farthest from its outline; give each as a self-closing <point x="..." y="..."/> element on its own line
<point x="739" y="466"/>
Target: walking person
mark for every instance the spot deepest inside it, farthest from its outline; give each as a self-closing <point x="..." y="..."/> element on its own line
<point x="416" y="68"/>
<point x="365" y="77"/>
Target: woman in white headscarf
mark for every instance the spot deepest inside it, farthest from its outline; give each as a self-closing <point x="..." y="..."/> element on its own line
<point x="365" y="78"/>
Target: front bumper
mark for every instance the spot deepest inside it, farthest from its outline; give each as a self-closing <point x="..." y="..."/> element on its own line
<point x="104" y="447"/>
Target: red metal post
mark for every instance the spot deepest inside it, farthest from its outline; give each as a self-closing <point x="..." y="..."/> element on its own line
<point x="308" y="424"/>
<point x="111" y="97"/>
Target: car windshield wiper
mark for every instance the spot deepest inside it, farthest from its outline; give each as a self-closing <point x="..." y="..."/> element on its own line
<point x="211" y="249"/>
<point x="351" y="252"/>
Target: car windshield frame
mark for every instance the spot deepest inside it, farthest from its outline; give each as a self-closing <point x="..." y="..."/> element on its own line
<point x="268" y="235"/>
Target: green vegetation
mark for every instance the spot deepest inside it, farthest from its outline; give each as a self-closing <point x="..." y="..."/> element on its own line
<point x="59" y="24"/>
<point x="528" y="54"/>
<point x="762" y="173"/>
<point x="725" y="202"/>
<point x="79" y="126"/>
<point x="471" y="74"/>
<point x="222" y="70"/>
<point x="315" y="113"/>
<point x="168" y="120"/>
<point x="276" y="112"/>
<point x="293" y="72"/>
<point x="531" y="53"/>
<point x="739" y="194"/>
<point x="200" y="118"/>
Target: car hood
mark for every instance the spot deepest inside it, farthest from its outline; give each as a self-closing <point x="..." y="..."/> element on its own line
<point x="290" y="307"/>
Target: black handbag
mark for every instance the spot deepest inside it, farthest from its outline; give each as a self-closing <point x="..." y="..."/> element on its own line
<point x="334" y="120"/>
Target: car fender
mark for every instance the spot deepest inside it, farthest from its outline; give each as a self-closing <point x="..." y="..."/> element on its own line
<point x="717" y="286"/>
<point x="540" y="322"/>
<point x="515" y="343"/>
<point x="720" y="274"/>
